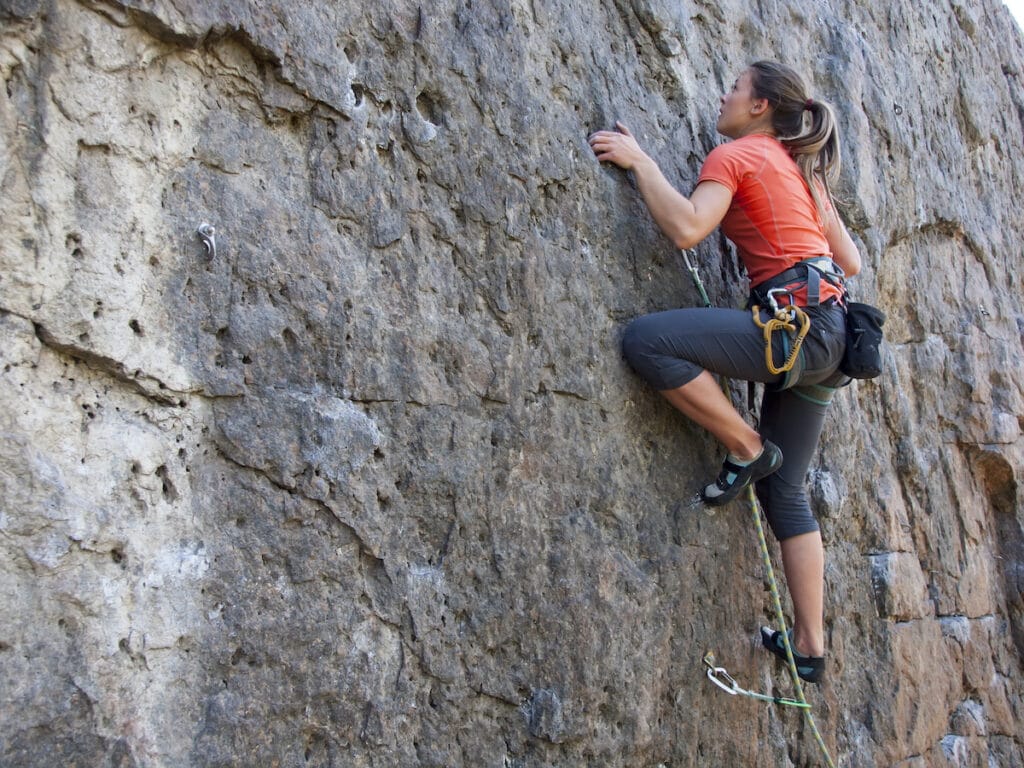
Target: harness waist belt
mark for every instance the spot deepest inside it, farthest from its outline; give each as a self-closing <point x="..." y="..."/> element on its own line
<point x="810" y="272"/>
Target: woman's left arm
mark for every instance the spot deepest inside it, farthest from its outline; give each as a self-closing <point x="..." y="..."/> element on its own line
<point x="686" y="221"/>
<point x="844" y="250"/>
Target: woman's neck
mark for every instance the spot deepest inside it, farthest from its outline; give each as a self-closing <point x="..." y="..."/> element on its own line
<point x="756" y="130"/>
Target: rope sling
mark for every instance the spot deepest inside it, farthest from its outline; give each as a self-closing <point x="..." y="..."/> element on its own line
<point x="785" y="318"/>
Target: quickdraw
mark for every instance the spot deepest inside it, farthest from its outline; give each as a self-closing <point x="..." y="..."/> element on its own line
<point x="725" y="681"/>
<point x="784" y="318"/>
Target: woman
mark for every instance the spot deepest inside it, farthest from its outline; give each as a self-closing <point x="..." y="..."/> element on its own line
<point x="768" y="189"/>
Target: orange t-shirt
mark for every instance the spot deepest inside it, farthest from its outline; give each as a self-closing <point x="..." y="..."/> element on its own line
<point x="772" y="218"/>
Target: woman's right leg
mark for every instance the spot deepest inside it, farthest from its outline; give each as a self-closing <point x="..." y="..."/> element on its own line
<point x="675" y="350"/>
<point x="704" y="402"/>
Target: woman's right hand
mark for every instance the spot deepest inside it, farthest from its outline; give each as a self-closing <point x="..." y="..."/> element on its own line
<point x="618" y="147"/>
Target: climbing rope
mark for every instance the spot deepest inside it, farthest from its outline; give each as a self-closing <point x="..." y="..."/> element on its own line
<point x="717" y="674"/>
<point x="780" y="617"/>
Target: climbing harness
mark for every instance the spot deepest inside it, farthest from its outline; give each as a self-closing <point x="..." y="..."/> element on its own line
<point x="808" y="272"/>
<point x="716" y="674"/>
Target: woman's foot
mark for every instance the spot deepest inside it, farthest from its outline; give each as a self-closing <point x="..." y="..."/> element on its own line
<point x="810" y="668"/>
<point x="737" y="474"/>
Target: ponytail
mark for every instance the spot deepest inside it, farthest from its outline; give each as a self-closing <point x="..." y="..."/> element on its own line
<point x="814" y="147"/>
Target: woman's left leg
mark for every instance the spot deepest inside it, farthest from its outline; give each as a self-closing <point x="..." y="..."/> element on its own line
<point x="803" y="560"/>
<point x="793" y="421"/>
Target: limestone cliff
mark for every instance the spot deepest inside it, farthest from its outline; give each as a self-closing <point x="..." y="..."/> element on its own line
<point x="364" y="481"/>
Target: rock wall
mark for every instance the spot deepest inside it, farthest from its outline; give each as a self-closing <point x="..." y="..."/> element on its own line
<point x="366" y="482"/>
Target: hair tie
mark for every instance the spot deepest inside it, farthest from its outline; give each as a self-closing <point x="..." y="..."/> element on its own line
<point x="809" y="103"/>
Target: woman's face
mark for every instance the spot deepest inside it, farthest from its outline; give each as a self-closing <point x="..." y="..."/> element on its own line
<point x="740" y="112"/>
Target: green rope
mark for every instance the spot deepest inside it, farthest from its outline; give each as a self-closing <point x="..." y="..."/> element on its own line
<point x="773" y="587"/>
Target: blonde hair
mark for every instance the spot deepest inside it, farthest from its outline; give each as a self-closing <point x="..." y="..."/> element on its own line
<point x="816" y="148"/>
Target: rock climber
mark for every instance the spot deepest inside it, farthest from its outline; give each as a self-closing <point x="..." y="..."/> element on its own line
<point x="769" y="190"/>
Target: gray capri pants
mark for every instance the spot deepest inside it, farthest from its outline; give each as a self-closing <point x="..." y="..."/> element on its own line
<point x="669" y="349"/>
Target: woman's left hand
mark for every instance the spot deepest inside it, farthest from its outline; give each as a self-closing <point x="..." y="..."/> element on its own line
<point x="618" y="147"/>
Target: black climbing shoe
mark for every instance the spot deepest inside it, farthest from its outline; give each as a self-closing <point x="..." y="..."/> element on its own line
<point x="734" y="478"/>
<point x="810" y="668"/>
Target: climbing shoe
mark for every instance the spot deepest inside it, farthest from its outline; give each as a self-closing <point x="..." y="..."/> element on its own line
<point x="737" y="475"/>
<point x="810" y="668"/>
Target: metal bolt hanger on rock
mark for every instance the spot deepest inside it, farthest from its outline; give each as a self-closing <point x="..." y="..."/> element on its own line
<point x="207" y="233"/>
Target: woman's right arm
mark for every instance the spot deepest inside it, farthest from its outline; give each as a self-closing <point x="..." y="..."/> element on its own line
<point x="686" y="221"/>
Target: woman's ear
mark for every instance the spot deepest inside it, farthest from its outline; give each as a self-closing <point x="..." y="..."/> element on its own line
<point x="759" y="107"/>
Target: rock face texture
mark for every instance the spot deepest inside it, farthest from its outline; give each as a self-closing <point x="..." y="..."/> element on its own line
<point x="362" y="480"/>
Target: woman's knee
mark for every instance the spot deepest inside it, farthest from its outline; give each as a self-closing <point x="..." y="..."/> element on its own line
<point x="636" y="344"/>
<point x="647" y="347"/>
<point x="787" y="508"/>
